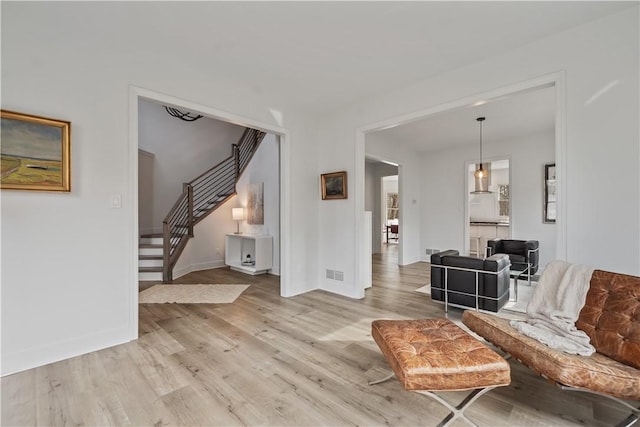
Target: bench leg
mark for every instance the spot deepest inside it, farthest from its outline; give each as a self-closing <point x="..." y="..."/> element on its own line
<point x="387" y="378"/>
<point x="629" y="421"/>
<point x="457" y="411"/>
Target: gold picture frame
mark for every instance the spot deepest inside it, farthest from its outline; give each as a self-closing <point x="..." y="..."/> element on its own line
<point x="35" y="153"/>
<point x="334" y="185"/>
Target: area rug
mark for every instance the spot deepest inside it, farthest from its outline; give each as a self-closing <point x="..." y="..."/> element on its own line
<point x="425" y="290"/>
<point x="191" y="294"/>
<point x="524" y="295"/>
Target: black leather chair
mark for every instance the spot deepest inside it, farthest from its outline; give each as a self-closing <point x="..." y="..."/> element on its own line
<point x="523" y="254"/>
<point x="470" y="282"/>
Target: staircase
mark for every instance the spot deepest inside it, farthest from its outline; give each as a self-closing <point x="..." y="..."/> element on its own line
<point x="160" y="252"/>
<point x="150" y="257"/>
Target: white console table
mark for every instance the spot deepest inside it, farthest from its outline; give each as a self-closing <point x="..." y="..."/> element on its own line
<point x="259" y="248"/>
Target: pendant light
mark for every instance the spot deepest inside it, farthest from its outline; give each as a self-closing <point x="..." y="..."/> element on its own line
<point x="481" y="175"/>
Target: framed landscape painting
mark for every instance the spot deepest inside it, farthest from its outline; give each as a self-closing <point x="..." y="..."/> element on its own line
<point x="35" y="153"/>
<point x="334" y="185"/>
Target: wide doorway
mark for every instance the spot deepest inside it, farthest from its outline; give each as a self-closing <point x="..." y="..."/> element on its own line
<point x="489" y="207"/>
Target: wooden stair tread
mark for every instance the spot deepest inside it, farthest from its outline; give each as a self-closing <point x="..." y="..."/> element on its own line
<point x="148" y="257"/>
<point x="150" y="245"/>
<point x="150" y="269"/>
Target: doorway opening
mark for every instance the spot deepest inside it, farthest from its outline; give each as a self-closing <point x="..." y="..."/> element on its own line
<point x="430" y="226"/>
<point x="391" y="210"/>
<point x="282" y="201"/>
<point x="382" y="200"/>
<point x="489" y="211"/>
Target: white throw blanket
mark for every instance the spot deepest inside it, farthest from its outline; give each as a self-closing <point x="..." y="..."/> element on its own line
<point x="555" y="306"/>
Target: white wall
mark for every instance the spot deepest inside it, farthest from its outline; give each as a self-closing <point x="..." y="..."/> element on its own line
<point x="146" y="161"/>
<point x="444" y="195"/>
<point x="183" y="150"/>
<point x="69" y="269"/>
<point x="206" y="249"/>
<point x="601" y="134"/>
<point x="264" y="167"/>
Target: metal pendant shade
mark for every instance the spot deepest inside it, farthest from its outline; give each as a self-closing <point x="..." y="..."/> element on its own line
<point x="481" y="175"/>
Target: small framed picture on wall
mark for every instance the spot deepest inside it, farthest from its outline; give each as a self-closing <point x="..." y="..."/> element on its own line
<point x="334" y="185"/>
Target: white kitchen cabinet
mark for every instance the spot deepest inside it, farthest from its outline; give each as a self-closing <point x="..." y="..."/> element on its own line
<point x="479" y="233"/>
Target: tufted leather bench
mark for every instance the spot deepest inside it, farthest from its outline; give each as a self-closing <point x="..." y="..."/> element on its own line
<point x="611" y="318"/>
<point x="429" y="355"/>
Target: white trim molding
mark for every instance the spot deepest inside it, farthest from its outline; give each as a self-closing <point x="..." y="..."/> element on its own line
<point x="556" y="79"/>
<point x="135" y="93"/>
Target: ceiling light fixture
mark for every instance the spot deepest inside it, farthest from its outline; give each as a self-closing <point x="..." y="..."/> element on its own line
<point x="481" y="174"/>
<point x="187" y="117"/>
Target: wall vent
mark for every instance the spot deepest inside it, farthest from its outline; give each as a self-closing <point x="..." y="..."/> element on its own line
<point x="330" y="274"/>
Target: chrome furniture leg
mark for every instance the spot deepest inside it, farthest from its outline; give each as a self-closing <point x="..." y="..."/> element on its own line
<point x="456" y="411"/>
<point x="387" y="378"/>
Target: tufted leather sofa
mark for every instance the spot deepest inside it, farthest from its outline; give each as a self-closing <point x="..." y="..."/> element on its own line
<point x="461" y="272"/>
<point x="611" y="318"/>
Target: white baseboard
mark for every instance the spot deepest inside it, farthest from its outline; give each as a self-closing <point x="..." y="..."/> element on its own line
<point x="411" y="261"/>
<point x="178" y="272"/>
<point x="40" y="355"/>
<point x="344" y="289"/>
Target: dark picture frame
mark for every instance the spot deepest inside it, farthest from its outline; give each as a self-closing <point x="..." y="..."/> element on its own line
<point x="334" y="185"/>
<point x="550" y="202"/>
<point x="35" y="153"/>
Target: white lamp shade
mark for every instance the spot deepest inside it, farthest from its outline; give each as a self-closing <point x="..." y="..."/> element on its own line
<point x="237" y="214"/>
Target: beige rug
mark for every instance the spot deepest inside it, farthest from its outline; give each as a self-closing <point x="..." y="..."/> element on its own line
<point x="525" y="292"/>
<point x="191" y="294"/>
<point x="425" y="290"/>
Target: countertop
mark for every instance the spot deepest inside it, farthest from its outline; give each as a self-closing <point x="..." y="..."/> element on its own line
<point x="496" y="223"/>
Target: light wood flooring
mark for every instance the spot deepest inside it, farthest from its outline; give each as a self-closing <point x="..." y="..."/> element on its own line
<point x="271" y="361"/>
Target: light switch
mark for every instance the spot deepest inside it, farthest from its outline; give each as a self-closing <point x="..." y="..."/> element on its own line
<point x="116" y="201"/>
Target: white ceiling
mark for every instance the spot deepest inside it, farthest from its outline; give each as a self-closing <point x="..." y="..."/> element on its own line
<point x="311" y="55"/>
<point x="521" y="114"/>
<point x="321" y="55"/>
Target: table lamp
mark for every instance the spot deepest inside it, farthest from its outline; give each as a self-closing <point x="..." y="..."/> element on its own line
<point x="237" y="214"/>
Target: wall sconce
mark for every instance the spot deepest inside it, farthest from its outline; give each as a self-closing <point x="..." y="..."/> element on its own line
<point x="237" y="214"/>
